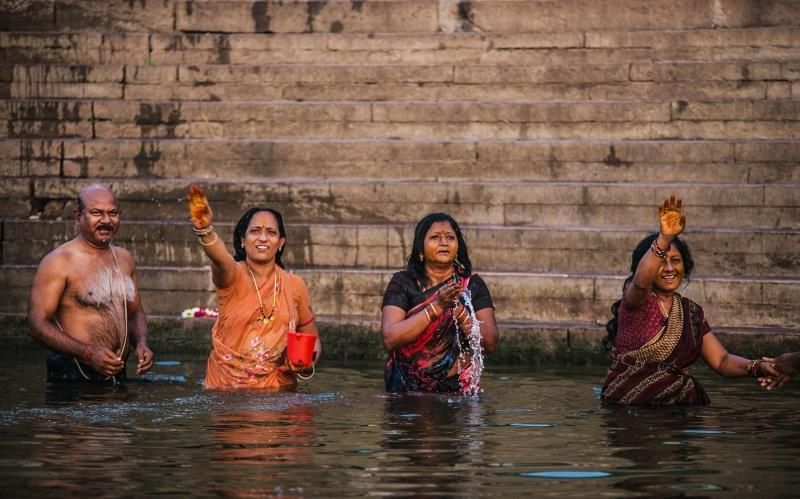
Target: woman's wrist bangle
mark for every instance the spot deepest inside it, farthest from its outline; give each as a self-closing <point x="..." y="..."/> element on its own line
<point x="658" y="252"/>
<point x="203" y="232"/>
<point x="434" y="312"/>
<point x="753" y="368"/>
<point x="216" y="238"/>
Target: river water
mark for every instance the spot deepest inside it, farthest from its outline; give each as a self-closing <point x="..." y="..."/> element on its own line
<point x="532" y="432"/>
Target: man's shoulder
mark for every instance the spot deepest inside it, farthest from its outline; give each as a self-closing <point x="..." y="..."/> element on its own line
<point x="62" y="253"/>
<point x="122" y="253"/>
<point x="59" y="262"/>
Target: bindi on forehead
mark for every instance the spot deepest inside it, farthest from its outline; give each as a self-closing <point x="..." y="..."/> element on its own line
<point x="441" y="227"/>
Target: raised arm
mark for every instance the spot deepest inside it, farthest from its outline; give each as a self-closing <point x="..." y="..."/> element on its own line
<point x="223" y="266"/>
<point x="672" y="222"/>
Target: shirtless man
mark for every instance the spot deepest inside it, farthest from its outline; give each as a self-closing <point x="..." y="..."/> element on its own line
<point x="84" y="304"/>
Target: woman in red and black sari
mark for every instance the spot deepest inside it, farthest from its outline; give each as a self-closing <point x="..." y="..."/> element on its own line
<point x="424" y="322"/>
<point x="656" y="334"/>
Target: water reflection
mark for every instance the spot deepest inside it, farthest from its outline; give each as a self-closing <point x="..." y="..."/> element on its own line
<point x="439" y="434"/>
<point x="60" y="463"/>
<point x="663" y="456"/>
<point x="264" y="437"/>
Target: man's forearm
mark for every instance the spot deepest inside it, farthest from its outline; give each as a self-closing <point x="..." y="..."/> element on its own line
<point x="48" y="333"/>
<point x="138" y="328"/>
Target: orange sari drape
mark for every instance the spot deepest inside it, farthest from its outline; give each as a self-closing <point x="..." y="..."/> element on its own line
<point x="245" y="353"/>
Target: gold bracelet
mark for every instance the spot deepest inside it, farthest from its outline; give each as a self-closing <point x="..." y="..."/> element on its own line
<point x="203" y="232"/>
<point x="433" y="309"/>
<point x="753" y="367"/>
<point x="427" y="314"/>
<point x="216" y="238"/>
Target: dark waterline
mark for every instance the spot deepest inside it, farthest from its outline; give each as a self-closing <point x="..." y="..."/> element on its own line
<point x="532" y="432"/>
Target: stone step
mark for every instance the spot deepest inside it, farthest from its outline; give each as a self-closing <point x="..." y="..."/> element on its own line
<point x="580" y="161"/>
<point x="574" y="297"/>
<point x="358" y="338"/>
<point x="621" y="120"/>
<point x="404" y="201"/>
<point x="424" y="16"/>
<point x="773" y="79"/>
<point x="756" y="44"/>
<point x="722" y="252"/>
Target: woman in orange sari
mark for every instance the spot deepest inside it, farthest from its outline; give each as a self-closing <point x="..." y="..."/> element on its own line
<point x="259" y="302"/>
<point x="656" y="334"/>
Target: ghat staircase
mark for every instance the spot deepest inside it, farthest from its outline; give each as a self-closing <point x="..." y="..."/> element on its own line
<point x="550" y="130"/>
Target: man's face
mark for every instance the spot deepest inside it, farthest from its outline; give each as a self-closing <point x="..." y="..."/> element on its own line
<point x="99" y="220"/>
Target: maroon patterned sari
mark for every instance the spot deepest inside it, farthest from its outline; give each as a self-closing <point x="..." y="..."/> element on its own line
<point x="656" y="373"/>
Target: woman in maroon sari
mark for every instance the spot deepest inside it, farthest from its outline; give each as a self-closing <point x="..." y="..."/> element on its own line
<point x="656" y="334"/>
<point x="425" y="323"/>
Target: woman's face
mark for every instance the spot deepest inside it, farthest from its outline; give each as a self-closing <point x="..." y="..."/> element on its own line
<point x="441" y="244"/>
<point x="262" y="239"/>
<point x="670" y="273"/>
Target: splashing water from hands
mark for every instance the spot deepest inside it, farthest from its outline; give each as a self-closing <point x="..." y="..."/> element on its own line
<point x="470" y="369"/>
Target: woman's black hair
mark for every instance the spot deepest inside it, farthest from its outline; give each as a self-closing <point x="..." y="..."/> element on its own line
<point x="241" y="228"/>
<point x="415" y="264"/>
<point x="638" y="253"/>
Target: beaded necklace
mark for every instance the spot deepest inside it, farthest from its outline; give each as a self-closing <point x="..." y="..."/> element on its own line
<point x="263" y="318"/>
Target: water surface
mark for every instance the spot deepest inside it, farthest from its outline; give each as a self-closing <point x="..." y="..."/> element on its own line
<point x="532" y="432"/>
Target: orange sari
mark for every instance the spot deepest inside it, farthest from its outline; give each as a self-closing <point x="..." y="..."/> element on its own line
<point x="247" y="354"/>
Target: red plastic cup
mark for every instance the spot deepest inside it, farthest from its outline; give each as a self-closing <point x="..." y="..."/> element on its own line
<point x="300" y="348"/>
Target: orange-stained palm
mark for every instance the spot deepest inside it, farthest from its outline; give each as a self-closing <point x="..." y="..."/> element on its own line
<point x="671" y="217"/>
<point x="199" y="209"/>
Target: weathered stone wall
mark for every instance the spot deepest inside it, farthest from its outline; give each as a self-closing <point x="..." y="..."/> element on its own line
<point x="549" y="129"/>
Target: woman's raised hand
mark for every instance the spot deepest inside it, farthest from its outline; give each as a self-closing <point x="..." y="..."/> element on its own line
<point x="199" y="209"/>
<point x="671" y="218"/>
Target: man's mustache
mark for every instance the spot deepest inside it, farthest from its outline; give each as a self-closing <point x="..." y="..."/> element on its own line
<point x="105" y="227"/>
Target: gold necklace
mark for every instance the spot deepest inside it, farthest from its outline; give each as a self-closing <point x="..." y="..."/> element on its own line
<point x="263" y="318"/>
<point x="661" y="306"/>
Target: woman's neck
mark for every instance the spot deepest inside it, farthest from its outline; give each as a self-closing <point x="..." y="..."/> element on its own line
<point x="438" y="273"/>
<point x="262" y="271"/>
<point x="665" y="297"/>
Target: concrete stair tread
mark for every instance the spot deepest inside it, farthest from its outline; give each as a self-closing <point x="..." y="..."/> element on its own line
<point x="386" y="16"/>
<point x="652" y="38"/>
<point x="542" y="296"/>
<point x="611" y="276"/>
<point x="758" y="44"/>
<point x="361" y="320"/>
<point x="719" y="250"/>
<point x="75" y="184"/>
<point x="170" y="225"/>
<point x="478" y="202"/>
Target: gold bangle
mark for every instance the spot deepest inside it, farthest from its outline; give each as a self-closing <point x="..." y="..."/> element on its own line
<point x="216" y="238"/>
<point x="427" y="314"/>
<point x="203" y="232"/>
